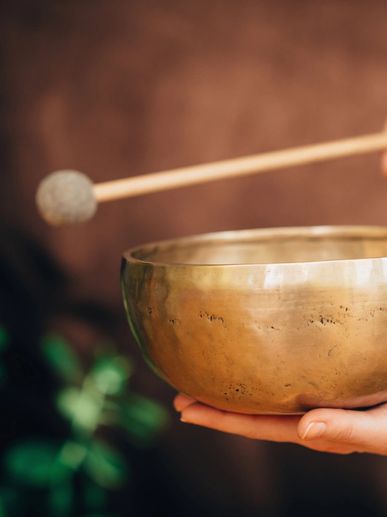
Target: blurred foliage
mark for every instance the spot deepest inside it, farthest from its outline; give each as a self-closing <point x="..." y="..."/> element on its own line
<point x="91" y="401"/>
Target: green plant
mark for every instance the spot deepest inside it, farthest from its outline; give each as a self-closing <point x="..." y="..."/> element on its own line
<point x="90" y="401"/>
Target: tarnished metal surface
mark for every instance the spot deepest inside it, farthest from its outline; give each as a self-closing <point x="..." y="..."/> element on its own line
<point x="265" y="321"/>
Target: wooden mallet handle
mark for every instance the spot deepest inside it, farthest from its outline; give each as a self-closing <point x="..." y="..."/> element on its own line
<point x="66" y="197"/>
<point x="185" y="176"/>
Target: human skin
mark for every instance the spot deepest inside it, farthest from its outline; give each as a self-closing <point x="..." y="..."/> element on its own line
<point x="328" y="430"/>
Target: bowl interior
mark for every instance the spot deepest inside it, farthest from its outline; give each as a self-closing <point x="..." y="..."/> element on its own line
<point x="268" y="246"/>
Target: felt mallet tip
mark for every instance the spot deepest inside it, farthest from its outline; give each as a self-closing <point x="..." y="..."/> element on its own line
<point x="66" y="197"/>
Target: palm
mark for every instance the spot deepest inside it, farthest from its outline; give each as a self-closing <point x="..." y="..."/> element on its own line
<point x="346" y="431"/>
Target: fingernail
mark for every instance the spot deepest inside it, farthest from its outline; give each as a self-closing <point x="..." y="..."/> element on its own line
<point x="314" y="430"/>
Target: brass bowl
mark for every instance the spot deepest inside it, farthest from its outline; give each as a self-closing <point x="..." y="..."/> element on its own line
<point x="265" y="321"/>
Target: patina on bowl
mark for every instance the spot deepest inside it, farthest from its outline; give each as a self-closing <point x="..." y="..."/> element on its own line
<point x="265" y="321"/>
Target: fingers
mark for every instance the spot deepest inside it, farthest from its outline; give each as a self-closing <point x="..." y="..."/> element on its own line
<point x="362" y="430"/>
<point x="182" y="401"/>
<point x="329" y="430"/>
<point x="271" y="428"/>
<point x="267" y="428"/>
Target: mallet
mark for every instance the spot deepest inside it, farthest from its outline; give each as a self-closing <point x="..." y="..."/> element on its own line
<point x="66" y="197"/>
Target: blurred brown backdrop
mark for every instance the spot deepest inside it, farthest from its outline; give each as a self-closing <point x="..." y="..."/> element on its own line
<point x="117" y="88"/>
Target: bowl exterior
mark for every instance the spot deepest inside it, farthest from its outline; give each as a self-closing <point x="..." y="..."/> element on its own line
<point x="272" y="339"/>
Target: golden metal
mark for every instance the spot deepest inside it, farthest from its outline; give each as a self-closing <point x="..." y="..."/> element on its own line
<point x="265" y="321"/>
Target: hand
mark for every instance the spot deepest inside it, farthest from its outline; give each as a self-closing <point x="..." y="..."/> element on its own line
<point x="328" y="430"/>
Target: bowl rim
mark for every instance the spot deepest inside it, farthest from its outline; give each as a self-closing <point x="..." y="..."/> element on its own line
<point x="266" y="233"/>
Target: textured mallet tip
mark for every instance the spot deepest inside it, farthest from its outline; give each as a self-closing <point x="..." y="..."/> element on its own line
<point x="66" y="197"/>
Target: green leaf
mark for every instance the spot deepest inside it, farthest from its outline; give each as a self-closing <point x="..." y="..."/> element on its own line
<point x="61" y="499"/>
<point x="82" y="407"/>
<point x="142" y="418"/>
<point x="36" y="463"/>
<point x="62" y="358"/>
<point x="110" y="374"/>
<point x="4" y="338"/>
<point x="72" y="454"/>
<point x="94" y="496"/>
<point x="105" y="466"/>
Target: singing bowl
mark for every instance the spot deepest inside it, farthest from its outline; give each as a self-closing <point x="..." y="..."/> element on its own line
<point x="274" y="321"/>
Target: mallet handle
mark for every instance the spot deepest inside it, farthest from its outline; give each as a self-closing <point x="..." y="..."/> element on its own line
<point x="204" y="173"/>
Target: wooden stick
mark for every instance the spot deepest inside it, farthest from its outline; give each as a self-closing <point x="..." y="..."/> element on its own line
<point x="204" y="173"/>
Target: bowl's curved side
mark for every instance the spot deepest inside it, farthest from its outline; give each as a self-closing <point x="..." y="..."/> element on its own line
<point x="264" y="339"/>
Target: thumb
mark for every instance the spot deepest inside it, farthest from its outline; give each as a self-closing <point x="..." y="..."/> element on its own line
<point x="364" y="430"/>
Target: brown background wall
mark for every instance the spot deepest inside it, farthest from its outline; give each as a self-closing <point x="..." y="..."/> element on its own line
<point x="117" y="88"/>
